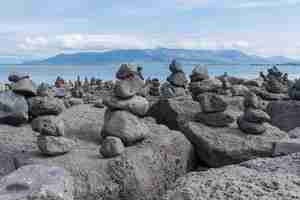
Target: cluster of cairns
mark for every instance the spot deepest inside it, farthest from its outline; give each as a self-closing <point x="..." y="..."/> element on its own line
<point x="252" y="122"/>
<point x="122" y="123"/>
<point x="176" y="82"/>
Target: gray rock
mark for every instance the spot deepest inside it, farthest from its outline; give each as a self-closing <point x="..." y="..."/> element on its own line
<point x="54" y="146"/>
<point x="49" y="125"/>
<point x="239" y="90"/>
<point x="25" y="87"/>
<point x="167" y="90"/>
<point x="15" y="77"/>
<point x="35" y="182"/>
<point x="124" y="125"/>
<point x="44" y="90"/>
<point x="128" y="88"/>
<point x="256" y="116"/>
<point x="175" y="67"/>
<point x="250" y="127"/>
<point x="258" y="82"/>
<point x="284" y="114"/>
<point x="220" y="119"/>
<point x="286" y="147"/>
<point x="229" y="145"/>
<point x="252" y="101"/>
<point x="112" y="147"/>
<point x="45" y="106"/>
<point x="199" y="73"/>
<point x="273" y="96"/>
<point x="171" y="111"/>
<point x="137" y="105"/>
<point x="212" y="103"/>
<point x="75" y="101"/>
<point x="126" y="71"/>
<point x="178" y="79"/>
<point x="207" y="85"/>
<point x="294" y="133"/>
<point x="275" y="86"/>
<point x="99" y="103"/>
<point x="13" y="108"/>
<point x="234" y="183"/>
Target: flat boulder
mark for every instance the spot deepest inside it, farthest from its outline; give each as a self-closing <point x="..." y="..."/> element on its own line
<point x="54" y="146"/>
<point x="13" y="108"/>
<point x="171" y="111"/>
<point x="45" y="106"/>
<point x="37" y="182"/>
<point x="223" y="146"/>
<point x="284" y="114"/>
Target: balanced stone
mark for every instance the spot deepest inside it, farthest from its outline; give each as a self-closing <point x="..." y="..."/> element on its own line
<point x="15" y="77"/>
<point x="54" y="146"/>
<point x="220" y="119"/>
<point x="128" y="88"/>
<point x="25" y="87"/>
<point x="211" y="103"/>
<point x="256" y="116"/>
<point x="250" y="127"/>
<point x="124" y="125"/>
<point x="199" y="73"/>
<point x="48" y="125"/>
<point x="112" y="147"/>
<point x="178" y="79"/>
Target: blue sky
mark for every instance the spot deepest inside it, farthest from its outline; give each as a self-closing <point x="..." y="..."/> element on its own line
<point x="32" y="29"/>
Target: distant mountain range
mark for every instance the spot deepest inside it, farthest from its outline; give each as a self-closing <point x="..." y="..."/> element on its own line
<point x="164" y="55"/>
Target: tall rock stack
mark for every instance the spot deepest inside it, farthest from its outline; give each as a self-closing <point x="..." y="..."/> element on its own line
<point x="252" y="122"/>
<point x="176" y="82"/>
<point x="201" y="82"/>
<point x="122" y="125"/>
<point x="275" y="81"/>
<point x="213" y="111"/>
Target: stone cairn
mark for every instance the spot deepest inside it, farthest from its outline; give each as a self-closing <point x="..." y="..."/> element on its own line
<point x="201" y="82"/>
<point x="155" y="87"/>
<point x="122" y="125"/>
<point x="22" y="84"/>
<point x="275" y="81"/>
<point x="252" y="122"/>
<point x="213" y="111"/>
<point x="294" y="91"/>
<point x="176" y="82"/>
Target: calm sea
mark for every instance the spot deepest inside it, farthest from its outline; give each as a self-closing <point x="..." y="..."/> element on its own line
<point x="48" y="73"/>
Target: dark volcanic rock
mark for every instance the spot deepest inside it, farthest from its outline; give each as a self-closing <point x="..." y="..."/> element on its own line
<point x="223" y="146"/>
<point x="284" y="114"/>
<point x="13" y="108"/>
<point x="171" y="111"/>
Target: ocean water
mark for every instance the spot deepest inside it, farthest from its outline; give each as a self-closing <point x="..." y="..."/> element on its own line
<point x="48" y="73"/>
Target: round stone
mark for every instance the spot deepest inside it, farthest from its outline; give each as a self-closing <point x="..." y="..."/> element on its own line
<point x="250" y="127"/>
<point x="128" y="88"/>
<point x="256" y="116"/>
<point x="211" y="103"/>
<point x="54" y="146"/>
<point x="112" y="147"/>
<point x="178" y="79"/>
<point x="49" y="125"/>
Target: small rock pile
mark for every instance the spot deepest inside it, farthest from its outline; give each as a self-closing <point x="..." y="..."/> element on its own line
<point x="213" y="111"/>
<point x="155" y="87"/>
<point x="252" y="122"/>
<point x="122" y="125"/>
<point x="201" y="82"/>
<point x="176" y="82"/>
<point x="275" y="81"/>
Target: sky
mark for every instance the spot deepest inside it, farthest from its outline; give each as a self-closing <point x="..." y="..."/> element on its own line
<point x="34" y="29"/>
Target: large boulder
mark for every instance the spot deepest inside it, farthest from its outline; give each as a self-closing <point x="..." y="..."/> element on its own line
<point x="234" y="182"/>
<point x="45" y="106"/>
<point x="25" y="87"/>
<point x="223" y="146"/>
<point x="284" y="114"/>
<point x="142" y="172"/>
<point x="37" y="182"/>
<point x="124" y="125"/>
<point x="13" y="108"/>
<point x="171" y="111"/>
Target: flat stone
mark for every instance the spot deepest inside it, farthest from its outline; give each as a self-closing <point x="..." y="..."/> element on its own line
<point x="49" y="125"/>
<point x="112" y="147"/>
<point x="124" y="125"/>
<point x="45" y="106"/>
<point x="34" y="182"/>
<point x="137" y="105"/>
<point x="15" y="77"/>
<point x="211" y="103"/>
<point x="25" y="87"/>
<point x="286" y="147"/>
<point x="250" y="127"/>
<point x="54" y="146"/>
<point x="207" y="85"/>
<point x="256" y="116"/>
<point x="221" y="119"/>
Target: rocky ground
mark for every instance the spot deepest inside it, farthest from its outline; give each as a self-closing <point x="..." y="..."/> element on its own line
<point x="217" y="138"/>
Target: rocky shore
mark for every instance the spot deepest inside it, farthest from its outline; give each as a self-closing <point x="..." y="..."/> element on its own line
<point x="207" y="138"/>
